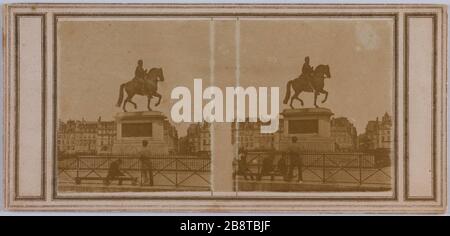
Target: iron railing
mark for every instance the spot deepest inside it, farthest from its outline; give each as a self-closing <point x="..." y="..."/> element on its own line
<point x="354" y="168"/>
<point x="177" y="171"/>
<point x="193" y="171"/>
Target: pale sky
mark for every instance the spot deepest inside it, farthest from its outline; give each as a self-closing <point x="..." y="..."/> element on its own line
<point x="95" y="57"/>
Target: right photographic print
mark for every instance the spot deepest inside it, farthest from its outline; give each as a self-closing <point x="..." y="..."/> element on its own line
<point x="337" y="103"/>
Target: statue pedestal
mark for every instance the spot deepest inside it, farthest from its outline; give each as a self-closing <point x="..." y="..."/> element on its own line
<point x="312" y="128"/>
<point x="135" y="127"/>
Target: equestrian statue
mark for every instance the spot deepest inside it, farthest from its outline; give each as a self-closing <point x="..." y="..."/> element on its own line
<point x="311" y="80"/>
<point x="144" y="83"/>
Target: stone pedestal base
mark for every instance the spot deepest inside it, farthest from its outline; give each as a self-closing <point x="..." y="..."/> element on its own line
<point x="310" y="126"/>
<point x="135" y="127"/>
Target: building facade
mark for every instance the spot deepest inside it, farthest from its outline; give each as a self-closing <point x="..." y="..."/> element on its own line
<point x="344" y="134"/>
<point x="247" y="135"/>
<point x="106" y="134"/>
<point x="198" y="138"/>
<point x="98" y="137"/>
<point x="183" y="145"/>
<point x="378" y="134"/>
<point x="171" y="137"/>
<point x="75" y="136"/>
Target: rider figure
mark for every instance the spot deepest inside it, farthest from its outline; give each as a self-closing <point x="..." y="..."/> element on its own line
<point x="139" y="74"/>
<point x="307" y="72"/>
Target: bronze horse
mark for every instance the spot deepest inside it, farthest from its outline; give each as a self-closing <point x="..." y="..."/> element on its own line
<point x="134" y="87"/>
<point x="300" y="84"/>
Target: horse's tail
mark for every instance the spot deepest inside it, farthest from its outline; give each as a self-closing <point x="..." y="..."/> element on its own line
<point x="119" y="102"/>
<point x="288" y="92"/>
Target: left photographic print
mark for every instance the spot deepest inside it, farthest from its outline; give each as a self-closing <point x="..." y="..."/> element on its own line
<point x="114" y="131"/>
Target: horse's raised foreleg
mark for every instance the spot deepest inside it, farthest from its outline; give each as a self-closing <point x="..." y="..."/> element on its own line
<point x="124" y="104"/>
<point x="315" y="98"/>
<point x="149" y="98"/>
<point x="295" y="96"/>
<point x="159" y="98"/>
<point x="135" y="105"/>
<point x="298" y="98"/>
<point x="292" y="100"/>
<point x="326" y="95"/>
<point x="130" y="96"/>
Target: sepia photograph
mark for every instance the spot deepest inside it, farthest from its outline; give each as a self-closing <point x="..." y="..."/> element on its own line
<point x="337" y="100"/>
<point x="114" y="128"/>
<point x="328" y="139"/>
<point x="287" y="108"/>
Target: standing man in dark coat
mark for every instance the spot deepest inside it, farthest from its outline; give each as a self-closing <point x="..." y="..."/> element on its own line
<point x="243" y="169"/>
<point x="282" y="166"/>
<point x="146" y="165"/>
<point x="267" y="166"/>
<point x="295" y="161"/>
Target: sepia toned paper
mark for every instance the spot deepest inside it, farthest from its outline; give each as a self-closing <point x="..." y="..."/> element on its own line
<point x="225" y="108"/>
